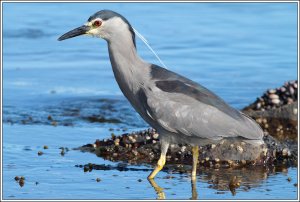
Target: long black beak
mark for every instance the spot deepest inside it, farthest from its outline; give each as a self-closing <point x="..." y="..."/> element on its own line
<point x="75" y="32"/>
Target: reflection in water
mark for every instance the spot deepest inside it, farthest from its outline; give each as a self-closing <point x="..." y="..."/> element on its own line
<point x="194" y="189"/>
<point x="233" y="180"/>
<point x="233" y="184"/>
<point x="230" y="178"/>
<point x="161" y="194"/>
<point x="159" y="191"/>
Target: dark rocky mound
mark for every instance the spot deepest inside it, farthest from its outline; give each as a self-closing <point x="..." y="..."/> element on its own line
<point x="143" y="148"/>
<point x="276" y="98"/>
<point x="276" y="112"/>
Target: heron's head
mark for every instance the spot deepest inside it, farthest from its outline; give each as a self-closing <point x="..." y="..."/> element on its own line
<point x="106" y="24"/>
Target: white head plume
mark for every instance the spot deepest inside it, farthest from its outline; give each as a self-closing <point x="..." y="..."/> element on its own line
<point x="147" y="44"/>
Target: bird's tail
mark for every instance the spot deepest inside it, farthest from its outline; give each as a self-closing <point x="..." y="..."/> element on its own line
<point x="255" y="132"/>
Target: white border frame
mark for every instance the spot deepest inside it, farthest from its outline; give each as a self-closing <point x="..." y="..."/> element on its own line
<point x="147" y="1"/>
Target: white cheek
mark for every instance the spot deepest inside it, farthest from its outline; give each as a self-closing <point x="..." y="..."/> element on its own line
<point x="95" y="33"/>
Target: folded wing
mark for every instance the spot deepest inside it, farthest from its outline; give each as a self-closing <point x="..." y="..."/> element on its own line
<point x="182" y="106"/>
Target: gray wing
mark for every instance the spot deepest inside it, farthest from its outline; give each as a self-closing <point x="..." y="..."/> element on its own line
<point x="182" y="106"/>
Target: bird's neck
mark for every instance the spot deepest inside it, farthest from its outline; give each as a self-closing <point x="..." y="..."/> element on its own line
<point x="129" y="69"/>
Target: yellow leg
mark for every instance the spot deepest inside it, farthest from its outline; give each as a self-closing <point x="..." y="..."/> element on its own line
<point x="162" y="160"/>
<point x="160" y="164"/>
<point x="195" y="150"/>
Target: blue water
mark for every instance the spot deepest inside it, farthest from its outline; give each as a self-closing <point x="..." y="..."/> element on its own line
<point x="238" y="50"/>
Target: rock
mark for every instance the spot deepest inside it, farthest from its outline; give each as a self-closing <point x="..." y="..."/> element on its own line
<point x="258" y="105"/>
<point x="117" y="141"/>
<point x="155" y="135"/>
<point x="271" y="91"/>
<point x="240" y="149"/>
<point x="295" y="111"/>
<point x="285" y="152"/>
<point x="275" y="101"/>
<point x="21" y="182"/>
<point x="258" y="120"/>
<point x="291" y="89"/>
<point x="273" y="96"/>
<point x="283" y="89"/>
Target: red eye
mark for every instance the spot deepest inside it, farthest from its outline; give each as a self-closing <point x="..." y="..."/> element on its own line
<point x="97" y="23"/>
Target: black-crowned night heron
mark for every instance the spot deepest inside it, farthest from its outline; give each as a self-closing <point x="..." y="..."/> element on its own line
<point x="181" y="110"/>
